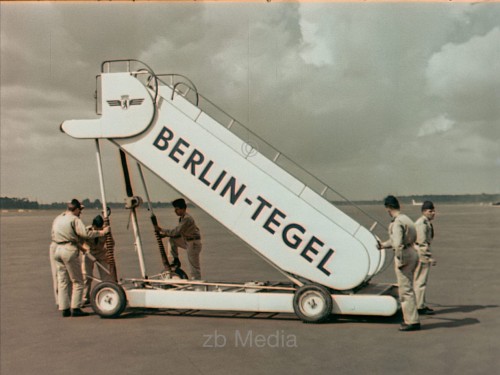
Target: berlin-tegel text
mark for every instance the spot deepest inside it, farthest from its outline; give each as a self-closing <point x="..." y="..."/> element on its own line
<point x="194" y="161"/>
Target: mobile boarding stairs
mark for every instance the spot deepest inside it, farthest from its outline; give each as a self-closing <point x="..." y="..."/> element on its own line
<point x="277" y="208"/>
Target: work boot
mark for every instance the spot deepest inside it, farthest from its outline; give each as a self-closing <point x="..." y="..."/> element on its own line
<point x="66" y="313"/>
<point x="176" y="263"/>
<point x="78" y="312"/>
<point x="426" y="311"/>
<point x="409" y="327"/>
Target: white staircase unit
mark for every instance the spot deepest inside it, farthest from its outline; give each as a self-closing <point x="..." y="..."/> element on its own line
<point x="284" y="220"/>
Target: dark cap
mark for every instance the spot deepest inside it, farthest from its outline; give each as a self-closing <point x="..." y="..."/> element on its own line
<point x="391" y="202"/>
<point x="74" y="204"/>
<point x="179" y="203"/>
<point x="427" y="205"/>
<point x="98" y="221"/>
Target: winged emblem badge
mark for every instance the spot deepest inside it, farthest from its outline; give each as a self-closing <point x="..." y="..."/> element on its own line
<point x="125" y="102"/>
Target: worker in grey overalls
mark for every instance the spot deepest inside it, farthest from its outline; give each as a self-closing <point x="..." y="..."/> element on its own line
<point x="402" y="236"/>
<point x="68" y="232"/>
<point x="425" y="234"/>
<point x="53" y="266"/>
<point x="186" y="235"/>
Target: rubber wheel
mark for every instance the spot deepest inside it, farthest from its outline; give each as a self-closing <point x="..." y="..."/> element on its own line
<point x="312" y="303"/>
<point x="108" y="299"/>
<point x="181" y="273"/>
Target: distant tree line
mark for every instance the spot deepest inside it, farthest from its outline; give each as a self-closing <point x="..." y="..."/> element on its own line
<point x="25" y="204"/>
<point x="450" y="199"/>
<point x="439" y="199"/>
<point x="18" y="203"/>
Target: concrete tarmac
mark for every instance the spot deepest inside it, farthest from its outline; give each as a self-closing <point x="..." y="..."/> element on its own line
<point x="463" y="337"/>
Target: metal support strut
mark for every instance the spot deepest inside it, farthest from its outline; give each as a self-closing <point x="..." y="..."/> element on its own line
<point x="154" y="220"/>
<point x="110" y="243"/>
<point x="131" y="203"/>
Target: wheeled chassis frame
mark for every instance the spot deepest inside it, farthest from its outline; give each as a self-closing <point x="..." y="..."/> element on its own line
<point x="313" y="306"/>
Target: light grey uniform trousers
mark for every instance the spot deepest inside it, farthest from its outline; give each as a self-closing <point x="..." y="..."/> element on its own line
<point x="420" y="282"/>
<point x="193" y="249"/>
<point x="69" y="270"/>
<point x="88" y="271"/>
<point x="53" y="268"/>
<point x="404" y="275"/>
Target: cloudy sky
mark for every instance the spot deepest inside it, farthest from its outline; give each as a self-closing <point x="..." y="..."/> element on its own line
<point x="373" y="98"/>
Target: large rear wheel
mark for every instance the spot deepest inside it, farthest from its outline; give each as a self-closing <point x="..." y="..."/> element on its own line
<point x="312" y="303"/>
<point x="108" y="299"/>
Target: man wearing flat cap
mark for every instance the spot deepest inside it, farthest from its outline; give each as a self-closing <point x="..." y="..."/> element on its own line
<point x="425" y="234"/>
<point x="402" y="237"/>
<point x="68" y="232"/>
<point x="186" y="235"/>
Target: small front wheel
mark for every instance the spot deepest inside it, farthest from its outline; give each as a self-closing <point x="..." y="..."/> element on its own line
<point x="108" y="299"/>
<point x="312" y="303"/>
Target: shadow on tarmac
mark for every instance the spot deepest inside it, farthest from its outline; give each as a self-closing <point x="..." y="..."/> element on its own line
<point x="443" y="322"/>
<point x="450" y="323"/>
<point x="461" y="308"/>
<point x="430" y="322"/>
<point x="141" y="313"/>
<point x="135" y="313"/>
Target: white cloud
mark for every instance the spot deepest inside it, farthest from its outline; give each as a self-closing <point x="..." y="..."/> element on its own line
<point x="317" y="50"/>
<point x="470" y="69"/>
<point x="328" y="84"/>
<point x="436" y="125"/>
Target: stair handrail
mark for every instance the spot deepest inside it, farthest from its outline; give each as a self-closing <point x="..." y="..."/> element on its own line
<point x="173" y="85"/>
<point x="279" y="154"/>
